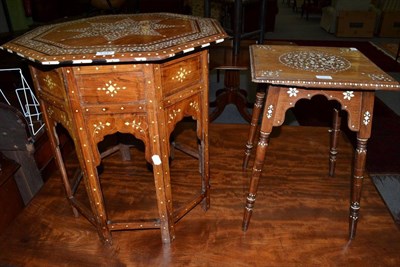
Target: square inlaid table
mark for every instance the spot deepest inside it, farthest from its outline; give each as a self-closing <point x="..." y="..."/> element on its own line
<point x="301" y="72"/>
<point x="133" y="73"/>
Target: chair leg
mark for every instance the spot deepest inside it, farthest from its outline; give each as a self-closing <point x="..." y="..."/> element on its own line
<point x="253" y="127"/>
<point x="237" y="27"/>
<point x="262" y="21"/>
<point x="334" y="139"/>
<point x="238" y="24"/>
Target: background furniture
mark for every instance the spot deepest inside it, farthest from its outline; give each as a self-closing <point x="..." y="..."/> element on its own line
<point x="313" y="6"/>
<point x="17" y="97"/>
<point x="349" y="18"/>
<point x="297" y="5"/>
<point x="11" y="203"/>
<point x="388" y="17"/>
<point x="47" y="11"/>
<point x="236" y="20"/>
<point x="223" y="59"/>
<point x="229" y="59"/>
<point x="16" y="143"/>
<point x="142" y="81"/>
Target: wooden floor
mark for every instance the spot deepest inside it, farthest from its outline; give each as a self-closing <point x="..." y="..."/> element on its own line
<point x="300" y="218"/>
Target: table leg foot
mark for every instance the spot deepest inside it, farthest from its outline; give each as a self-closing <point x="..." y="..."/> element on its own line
<point x="248" y="211"/>
<point x="354" y="210"/>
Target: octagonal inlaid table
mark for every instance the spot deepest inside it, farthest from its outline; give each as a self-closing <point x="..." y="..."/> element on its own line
<point x="138" y="74"/>
<point x="301" y="72"/>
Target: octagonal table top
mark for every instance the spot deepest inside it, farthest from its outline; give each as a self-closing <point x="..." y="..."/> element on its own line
<point x="117" y="38"/>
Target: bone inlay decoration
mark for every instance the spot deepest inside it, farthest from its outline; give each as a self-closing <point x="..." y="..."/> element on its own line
<point x="65" y="119"/>
<point x="292" y="92"/>
<point x="173" y="115"/>
<point x="367" y="118"/>
<point x="348" y="95"/>
<point x="314" y="61"/>
<point x="126" y="27"/>
<point x="115" y="34"/>
<point x="49" y="82"/>
<point x="111" y="88"/>
<point x="262" y="143"/>
<point x="270" y="110"/>
<point x="50" y="111"/>
<point x="100" y="126"/>
<point x="181" y="75"/>
<point x="195" y="105"/>
<point x="379" y="77"/>
<point x="271" y="73"/>
<point x="135" y="125"/>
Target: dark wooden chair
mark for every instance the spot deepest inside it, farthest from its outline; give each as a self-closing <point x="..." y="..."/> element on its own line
<point x="313" y="6"/>
<point x="233" y="64"/>
<point x="237" y="28"/>
<point x="16" y="143"/>
<point x="11" y="203"/>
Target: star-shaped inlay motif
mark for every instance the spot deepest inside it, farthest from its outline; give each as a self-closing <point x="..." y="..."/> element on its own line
<point x="111" y="88"/>
<point x="49" y="82"/>
<point x="348" y="95"/>
<point x="292" y="92"/>
<point x="116" y="30"/>
<point x="181" y="75"/>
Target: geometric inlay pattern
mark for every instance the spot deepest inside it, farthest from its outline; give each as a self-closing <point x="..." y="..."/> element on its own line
<point x="111" y="88"/>
<point x="181" y="75"/>
<point x="116" y="30"/>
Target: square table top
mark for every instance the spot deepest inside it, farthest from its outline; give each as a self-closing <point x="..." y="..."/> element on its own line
<point x="317" y="67"/>
<point x="117" y="38"/>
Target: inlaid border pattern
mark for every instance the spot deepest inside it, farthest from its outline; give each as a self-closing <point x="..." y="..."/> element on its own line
<point x="201" y="28"/>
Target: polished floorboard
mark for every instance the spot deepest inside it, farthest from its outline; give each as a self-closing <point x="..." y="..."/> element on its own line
<point x="300" y="216"/>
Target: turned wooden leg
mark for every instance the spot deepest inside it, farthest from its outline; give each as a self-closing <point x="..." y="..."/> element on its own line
<point x="253" y="127"/>
<point x="357" y="182"/>
<point x="334" y="139"/>
<point x="255" y="177"/>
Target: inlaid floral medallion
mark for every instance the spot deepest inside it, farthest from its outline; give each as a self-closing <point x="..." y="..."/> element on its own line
<point x="314" y="61"/>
